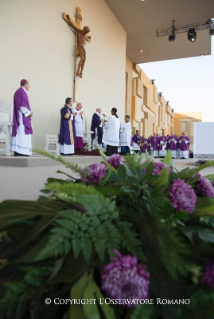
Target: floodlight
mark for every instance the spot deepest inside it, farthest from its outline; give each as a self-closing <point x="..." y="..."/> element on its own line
<point x="191" y="35"/>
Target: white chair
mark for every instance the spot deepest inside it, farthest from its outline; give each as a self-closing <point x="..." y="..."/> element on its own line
<point x="52" y="140"/>
<point x="87" y="139"/>
<point x="5" y="127"/>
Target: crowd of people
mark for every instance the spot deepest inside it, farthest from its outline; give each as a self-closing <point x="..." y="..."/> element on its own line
<point x="112" y="133"/>
<point x="158" y="146"/>
<point x="120" y="134"/>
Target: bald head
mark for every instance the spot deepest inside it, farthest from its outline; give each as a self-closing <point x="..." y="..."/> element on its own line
<point x="99" y="110"/>
<point x="79" y="106"/>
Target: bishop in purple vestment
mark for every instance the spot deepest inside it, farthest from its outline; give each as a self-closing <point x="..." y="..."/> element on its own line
<point x="22" y="129"/>
<point x="173" y="144"/>
<point x="97" y="129"/>
<point x="162" y="141"/>
<point x="137" y="141"/>
<point x="67" y="136"/>
<point x="144" y="146"/>
<point x="183" y="144"/>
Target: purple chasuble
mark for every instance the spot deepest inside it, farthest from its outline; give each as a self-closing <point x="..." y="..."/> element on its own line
<point x="171" y="143"/>
<point x="137" y="139"/>
<point x="21" y="99"/>
<point x="162" y="139"/>
<point x="154" y="142"/>
<point x="144" y="147"/>
<point x="67" y="127"/>
<point x="95" y="123"/>
<point x="184" y="144"/>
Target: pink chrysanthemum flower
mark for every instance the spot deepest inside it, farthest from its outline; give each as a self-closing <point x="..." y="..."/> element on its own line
<point x="125" y="279"/>
<point x="182" y="196"/>
<point x="158" y="166"/>
<point x="115" y="160"/>
<point x="208" y="275"/>
<point x="95" y="173"/>
<point x="204" y="187"/>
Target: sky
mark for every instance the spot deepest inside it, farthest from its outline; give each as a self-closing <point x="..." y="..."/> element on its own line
<point x="188" y="84"/>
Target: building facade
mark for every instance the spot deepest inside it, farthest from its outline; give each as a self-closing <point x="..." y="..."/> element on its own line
<point x="150" y="112"/>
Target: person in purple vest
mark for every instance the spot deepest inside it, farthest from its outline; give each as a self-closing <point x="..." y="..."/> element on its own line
<point x="183" y="144"/>
<point x="67" y="136"/>
<point x="144" y="146"/>
<point x="22" y="129"/>
<point x="162" y="141"/>
<point x="97" y="128"/>
<point x="137" y="141"/>
<point x="154" y="145"/>
<point x="173" y="144"/>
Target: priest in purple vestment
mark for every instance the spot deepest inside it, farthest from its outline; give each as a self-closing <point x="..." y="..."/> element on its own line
<point x="22" y="129"/>
<point x="173" y="144"/>
<point x="97" y="129"/>
<point x="137" y="142"/>
<point x="154" y="145"/>
<point x="183" y="144"/>
<point x="162" y="141"/>
<point x="67" y="136"/>
<point x="144" y="146"/>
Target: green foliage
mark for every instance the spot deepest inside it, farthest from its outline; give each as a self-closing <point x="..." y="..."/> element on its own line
<point x="168" y="158"/>
<point x="24" y="293"/>
<point x="164" y="177"/>
<point x="210" y="178"/>
<point x="186" y="173"/>
<point x="58" y="245"/>
<point x="74" y="167"/>
<point x="143" y="312"/>
<point x="133" y="161"/>
<point x="102" y="154"/>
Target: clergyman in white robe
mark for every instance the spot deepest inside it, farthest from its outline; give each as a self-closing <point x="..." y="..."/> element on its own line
<point x="21" y="143"/>
<point x="125" y="136"/>
<point x="111" y="133"/>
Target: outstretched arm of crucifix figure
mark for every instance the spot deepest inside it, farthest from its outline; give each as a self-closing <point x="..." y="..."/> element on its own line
<point x="72" y="24"/>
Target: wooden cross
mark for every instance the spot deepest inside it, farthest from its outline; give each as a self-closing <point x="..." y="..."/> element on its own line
<point x="81" y="38"/>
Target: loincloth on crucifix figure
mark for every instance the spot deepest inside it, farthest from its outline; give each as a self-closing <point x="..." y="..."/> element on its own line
<point x="82" y="38"/>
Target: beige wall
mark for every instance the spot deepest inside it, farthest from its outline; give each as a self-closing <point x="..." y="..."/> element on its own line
<point x="187" y="120"/>
<point x="149" y="111"/>
<point x="37" y="44"/>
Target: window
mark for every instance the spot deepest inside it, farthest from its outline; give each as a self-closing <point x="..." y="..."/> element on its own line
<point x="183" y="126"/>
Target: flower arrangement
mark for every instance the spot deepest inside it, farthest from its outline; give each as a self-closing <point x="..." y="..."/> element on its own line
<point x="134" y="236"/>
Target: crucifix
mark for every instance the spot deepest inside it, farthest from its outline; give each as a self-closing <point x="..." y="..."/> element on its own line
<point x="81" y="38"/>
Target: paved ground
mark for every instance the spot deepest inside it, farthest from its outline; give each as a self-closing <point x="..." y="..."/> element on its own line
<point x="25" y="182"/>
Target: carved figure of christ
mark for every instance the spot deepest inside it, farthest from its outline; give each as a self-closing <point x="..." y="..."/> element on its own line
<point x="82" y="38"/>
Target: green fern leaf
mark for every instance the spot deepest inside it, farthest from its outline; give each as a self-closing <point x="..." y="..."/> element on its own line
<point x="191" y="172"/>
<point x="74" y="167"/>
<point x="102" y="154"/>
<point x="57" y="266"/>
<point x="164" y="176"/>
<point x="86" y="247"/>
<point x="168" y="158"/>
